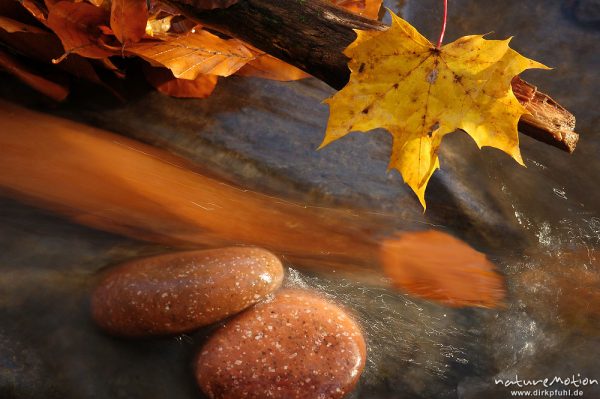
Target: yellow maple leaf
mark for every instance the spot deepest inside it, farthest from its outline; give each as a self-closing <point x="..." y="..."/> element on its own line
<point x="400" y="81"/>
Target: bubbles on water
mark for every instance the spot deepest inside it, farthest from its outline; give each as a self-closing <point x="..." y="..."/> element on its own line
<point x="413" y="346"/>
<point x="560" y="192"/>
<point x="544" y="234"/>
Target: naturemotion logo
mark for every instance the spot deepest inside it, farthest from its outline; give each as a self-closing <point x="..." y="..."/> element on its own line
<point x="575" y="381"/>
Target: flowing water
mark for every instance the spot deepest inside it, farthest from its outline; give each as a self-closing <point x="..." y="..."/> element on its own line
<point x="540" y="225"/>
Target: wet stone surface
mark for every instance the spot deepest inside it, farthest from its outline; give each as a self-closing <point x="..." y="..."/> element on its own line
<point x="296" y="345"/>
<point x="183" y="291"/>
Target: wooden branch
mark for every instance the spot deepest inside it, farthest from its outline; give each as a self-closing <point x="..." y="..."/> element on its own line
<point x="311" y="34"/>
<point x="549" y="122"/>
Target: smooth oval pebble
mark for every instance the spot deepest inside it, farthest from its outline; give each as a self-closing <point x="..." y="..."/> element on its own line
<point x="179" y="292"/>
<point x="297" y="345"/>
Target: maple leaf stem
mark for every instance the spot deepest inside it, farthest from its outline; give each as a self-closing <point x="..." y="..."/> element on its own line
<point x="443" y="31"/>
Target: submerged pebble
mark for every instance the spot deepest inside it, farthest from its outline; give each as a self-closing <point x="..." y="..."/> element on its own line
<point x="179" y="292"/>
<point x="297" y="345"/>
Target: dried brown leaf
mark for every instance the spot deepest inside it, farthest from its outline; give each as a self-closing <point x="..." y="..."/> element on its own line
<point x="128" y="20"/>
<point x="76" y="24"/>
<point x="199" y="52"/>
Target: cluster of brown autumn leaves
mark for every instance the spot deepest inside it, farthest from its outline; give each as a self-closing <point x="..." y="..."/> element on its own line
<point x="88" y="38"/>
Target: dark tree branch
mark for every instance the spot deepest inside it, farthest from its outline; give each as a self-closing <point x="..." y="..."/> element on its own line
<point x="549" y="122"/>
<point x="311" y="34"/>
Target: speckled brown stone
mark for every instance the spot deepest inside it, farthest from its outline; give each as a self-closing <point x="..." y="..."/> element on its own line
<point x="297" y="345"/>
<point x="182" y="291"/>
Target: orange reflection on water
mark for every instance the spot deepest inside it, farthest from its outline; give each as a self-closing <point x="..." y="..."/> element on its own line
<point x="116" y="184"/>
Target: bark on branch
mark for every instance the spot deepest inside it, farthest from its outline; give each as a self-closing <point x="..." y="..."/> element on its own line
<point x="311" y="34"/>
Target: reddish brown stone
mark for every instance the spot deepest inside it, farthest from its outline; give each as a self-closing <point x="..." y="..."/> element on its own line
<point x="182" y="291"/>
<point x="297" y="345"/>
